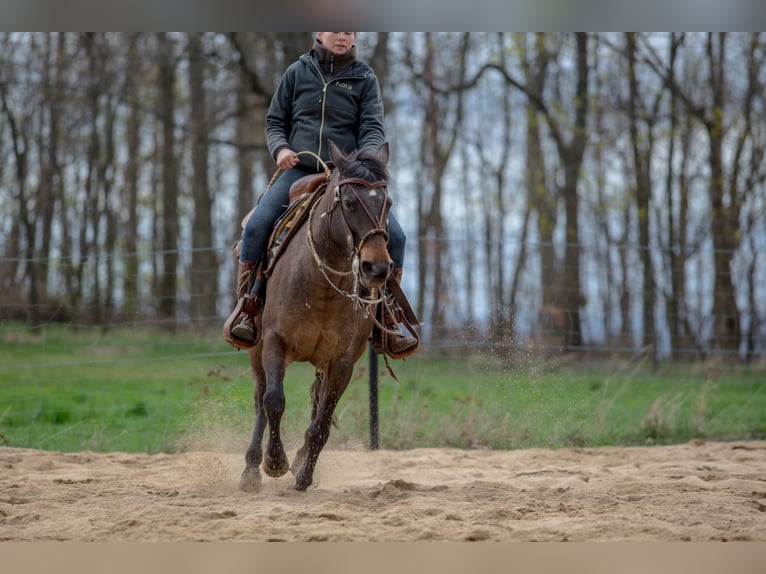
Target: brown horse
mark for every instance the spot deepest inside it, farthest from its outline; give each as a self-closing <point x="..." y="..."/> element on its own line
<point x="320" y="306"/>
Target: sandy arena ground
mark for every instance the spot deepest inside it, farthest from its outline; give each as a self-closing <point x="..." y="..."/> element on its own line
<point x="692" y="492"/>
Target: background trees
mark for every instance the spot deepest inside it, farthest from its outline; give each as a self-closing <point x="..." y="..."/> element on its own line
<point x="578" y="191"/>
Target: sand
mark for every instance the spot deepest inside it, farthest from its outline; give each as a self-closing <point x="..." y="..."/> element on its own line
<point x="700" y="491"/>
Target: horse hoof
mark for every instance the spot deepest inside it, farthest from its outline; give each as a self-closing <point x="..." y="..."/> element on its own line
<point x="302" y="483"/>
<point x="250" y="481"/>
<point x="276" y="469"/>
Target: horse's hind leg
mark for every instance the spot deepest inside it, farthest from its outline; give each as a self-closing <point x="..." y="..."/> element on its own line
<point x="300" y="456"/>
<point x="250" y="481"/>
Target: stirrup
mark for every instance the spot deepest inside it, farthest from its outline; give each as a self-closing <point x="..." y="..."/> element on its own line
<point x="244" y="327"/>
<point x="390" y="349"/>
<point x="382" y="339"/>
<point x="248" y="305"/>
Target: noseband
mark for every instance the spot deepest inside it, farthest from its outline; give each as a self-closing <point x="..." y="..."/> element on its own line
<point x="378" y="229"/>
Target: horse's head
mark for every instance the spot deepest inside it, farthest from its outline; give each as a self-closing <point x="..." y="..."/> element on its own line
<point x="361" y="192"/>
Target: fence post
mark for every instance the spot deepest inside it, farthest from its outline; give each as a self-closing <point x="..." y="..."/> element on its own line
<point x="373" y="366"/>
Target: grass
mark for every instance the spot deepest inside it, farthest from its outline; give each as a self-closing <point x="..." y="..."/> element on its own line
<point x="144" y="391"/>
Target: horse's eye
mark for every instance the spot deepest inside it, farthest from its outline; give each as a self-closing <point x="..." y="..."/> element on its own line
<point x="349" y="202"/>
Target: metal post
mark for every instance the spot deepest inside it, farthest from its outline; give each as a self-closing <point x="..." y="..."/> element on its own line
<point x="373" y="364"/>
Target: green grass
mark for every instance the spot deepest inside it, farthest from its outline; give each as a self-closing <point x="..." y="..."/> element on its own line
<point x="145" y="391"/>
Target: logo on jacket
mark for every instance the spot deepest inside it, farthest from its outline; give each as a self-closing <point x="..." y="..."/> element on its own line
<point x="344" y="85"/>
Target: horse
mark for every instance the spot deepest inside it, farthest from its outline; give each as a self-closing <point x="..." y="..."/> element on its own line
<point x="320" y="308"/>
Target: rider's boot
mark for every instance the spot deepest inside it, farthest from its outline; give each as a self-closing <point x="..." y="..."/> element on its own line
<point x="239" y="329"/>
<point x="395" y="343"/>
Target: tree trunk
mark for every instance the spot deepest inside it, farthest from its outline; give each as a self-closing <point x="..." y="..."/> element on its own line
<point x="48" y="140"/>
<point x="20" y="147"/>
<point x="169" y="279"/>
<point x="724" y="204"/>
<point x="543" y="200"/>
<point x="641" y="145"/>
<point x="91" y="227"/>
<point x="203" y="267"/>
<point x="109" y="215"/>
<point x="673" y="302"/>
<point x="572" y="158"/>
<point x="130" y="190"/>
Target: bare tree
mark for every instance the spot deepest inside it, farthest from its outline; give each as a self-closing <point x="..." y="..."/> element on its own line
<point x="719" y="115"/>
<point x="570" y="138"/>
<point x="380" y="61"/>
<point x="641" y="126"/>
<point x="169" y="240"/>
<point x="442" y="123"/>
<point x="572" y="151"/>
<point x="543" y="198"/>
<point x="132" y="91"/>
<point x="20" y="148"/>
<point x="498" y="198"/>
<point x="48" y="139"/>
<point x="203" y="268"/>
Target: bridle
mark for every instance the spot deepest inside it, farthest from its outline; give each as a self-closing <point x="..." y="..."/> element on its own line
<point x="377" y="229"/>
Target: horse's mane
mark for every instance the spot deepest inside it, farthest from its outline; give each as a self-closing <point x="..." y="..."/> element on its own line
<point x="365" y="164"/>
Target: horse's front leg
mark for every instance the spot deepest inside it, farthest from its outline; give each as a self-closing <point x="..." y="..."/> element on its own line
<point x="275" y="461"/>
<point x="335" y="382"/>
<point x="250" y="481"/>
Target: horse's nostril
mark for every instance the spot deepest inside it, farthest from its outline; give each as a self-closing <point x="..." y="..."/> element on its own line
<point x="375" y="269"/>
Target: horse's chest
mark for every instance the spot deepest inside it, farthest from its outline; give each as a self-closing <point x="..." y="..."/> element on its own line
<point x="326" y="334"/>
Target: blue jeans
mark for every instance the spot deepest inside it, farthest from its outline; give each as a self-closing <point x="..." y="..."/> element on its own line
<point x="274" y="202"/>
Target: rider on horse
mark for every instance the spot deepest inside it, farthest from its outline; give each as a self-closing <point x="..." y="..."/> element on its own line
<point x="327" y="94"/>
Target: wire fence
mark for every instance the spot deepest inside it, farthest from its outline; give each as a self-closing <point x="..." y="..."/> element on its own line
<point x="132" y="384"/>
<point x="612" y="318"/>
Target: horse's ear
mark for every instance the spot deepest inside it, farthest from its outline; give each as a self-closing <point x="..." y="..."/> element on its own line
<point x="336" y="156"/>
<point x="382" y="153"/>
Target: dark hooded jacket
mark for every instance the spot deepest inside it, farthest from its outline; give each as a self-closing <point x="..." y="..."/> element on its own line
<point x="324" y="97"/>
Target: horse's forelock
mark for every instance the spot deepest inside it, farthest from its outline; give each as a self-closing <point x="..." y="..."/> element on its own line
<point x="365" y="164"/>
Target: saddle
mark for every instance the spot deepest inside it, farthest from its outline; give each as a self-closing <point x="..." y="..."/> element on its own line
<point x="305" y="185"/>
<point x="301" y="191"/>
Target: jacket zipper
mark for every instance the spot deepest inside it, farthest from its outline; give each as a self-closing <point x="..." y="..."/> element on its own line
<point x="324" y="101"/>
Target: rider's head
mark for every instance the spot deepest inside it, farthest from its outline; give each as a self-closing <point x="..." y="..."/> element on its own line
<point x="337" y="42"/>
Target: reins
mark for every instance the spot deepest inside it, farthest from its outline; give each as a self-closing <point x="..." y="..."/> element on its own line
<point x="325" y="168"/>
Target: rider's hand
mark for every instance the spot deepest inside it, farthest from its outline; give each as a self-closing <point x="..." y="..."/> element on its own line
<point x="286" y="158"/>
